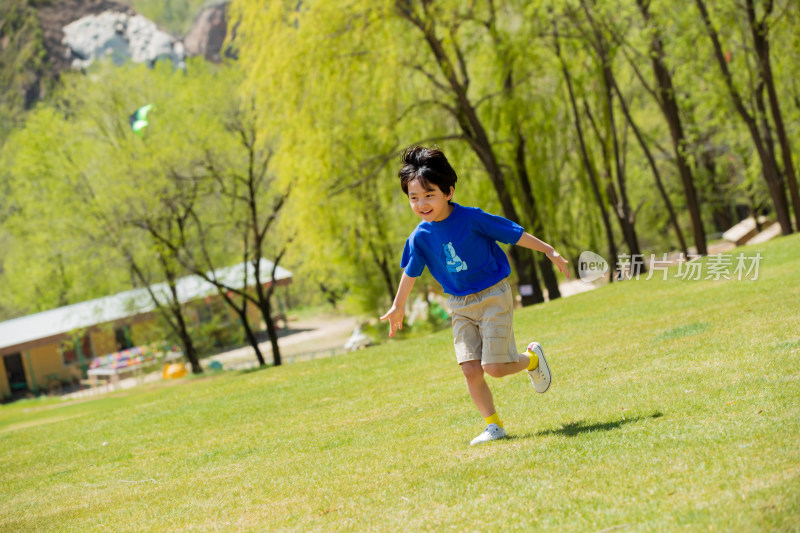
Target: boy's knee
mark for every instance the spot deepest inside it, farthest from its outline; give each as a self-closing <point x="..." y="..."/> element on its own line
<point x="472" y="370"/>
<point x="494" y="370"/>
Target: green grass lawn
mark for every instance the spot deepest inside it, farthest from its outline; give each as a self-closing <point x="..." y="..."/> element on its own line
<point x="674" y="406"/>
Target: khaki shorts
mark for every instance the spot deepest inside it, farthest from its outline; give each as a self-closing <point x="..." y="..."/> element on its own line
<point x="483" y="326"/>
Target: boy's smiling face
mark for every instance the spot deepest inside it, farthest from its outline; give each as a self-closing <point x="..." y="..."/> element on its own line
<point x="430" y="205"/>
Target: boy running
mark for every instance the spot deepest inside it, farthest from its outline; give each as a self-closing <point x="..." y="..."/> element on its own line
<point x="458" y="245"/>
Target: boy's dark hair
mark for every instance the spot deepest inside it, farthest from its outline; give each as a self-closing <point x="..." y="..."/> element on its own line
<point x="429" y="166"/>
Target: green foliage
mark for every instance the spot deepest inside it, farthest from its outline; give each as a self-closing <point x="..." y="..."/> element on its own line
<point x="189" y="194"/>
<point x="49" y="261"/>
<point x="335" y="91"/>
<point x="78" y="178"/>
<point x="357" y="81"/>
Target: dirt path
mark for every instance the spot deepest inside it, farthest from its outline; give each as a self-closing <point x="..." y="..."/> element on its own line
<point x="304" y="336"/>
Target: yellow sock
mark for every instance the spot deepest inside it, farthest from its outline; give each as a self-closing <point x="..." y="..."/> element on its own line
<point x="494" y="419"/>
<point x="534" y="360"/>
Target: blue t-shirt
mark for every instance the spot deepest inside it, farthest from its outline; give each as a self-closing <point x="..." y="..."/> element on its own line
<point x="461" y="251"/>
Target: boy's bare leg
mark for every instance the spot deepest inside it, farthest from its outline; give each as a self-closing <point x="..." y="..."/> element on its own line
<point x="477" y="387"/>
<point x="499" y="370"/>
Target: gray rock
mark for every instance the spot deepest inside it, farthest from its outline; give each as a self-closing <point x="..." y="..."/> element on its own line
<point x="121" y="37"/>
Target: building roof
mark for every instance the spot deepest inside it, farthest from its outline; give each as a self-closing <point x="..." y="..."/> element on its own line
<point x="123" y="305"/>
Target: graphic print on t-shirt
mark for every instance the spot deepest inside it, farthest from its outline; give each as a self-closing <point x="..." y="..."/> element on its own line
<point x="453" y="262"/>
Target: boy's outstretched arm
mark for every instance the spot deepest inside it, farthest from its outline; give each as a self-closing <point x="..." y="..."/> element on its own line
<point x="529" y="241"/>
<point x="398" y="310"/>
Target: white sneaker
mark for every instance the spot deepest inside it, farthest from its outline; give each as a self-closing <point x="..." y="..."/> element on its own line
<point x="540" y="376"/>
<point x="492" y="432"/>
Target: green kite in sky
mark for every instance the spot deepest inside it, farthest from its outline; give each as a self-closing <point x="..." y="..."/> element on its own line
<point x="138" y="119"/>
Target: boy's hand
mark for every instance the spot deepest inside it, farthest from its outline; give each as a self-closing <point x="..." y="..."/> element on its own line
<point x="559" y="262"/>
<point x="395" y="318"/>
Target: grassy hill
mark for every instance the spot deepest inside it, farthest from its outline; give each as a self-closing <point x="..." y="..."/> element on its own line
<point x="674" y="407"/>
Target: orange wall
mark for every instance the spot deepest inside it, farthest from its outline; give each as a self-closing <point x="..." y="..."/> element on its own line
<point x="47" y="361"/>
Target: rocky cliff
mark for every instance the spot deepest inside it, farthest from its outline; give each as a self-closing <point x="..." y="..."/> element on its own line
<point x="208" y="33"/>
<point x="40" y="38"/>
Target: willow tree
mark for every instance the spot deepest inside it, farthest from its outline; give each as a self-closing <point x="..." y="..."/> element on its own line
<point x="586" y="159"/>
<point x="613" y="28"/>
<point x="358" y="82"/>
<point x="750" y="105"/>
<point x="663" y="91"/>
<point x="608" y="130"/>
<point x="49" y="258"/>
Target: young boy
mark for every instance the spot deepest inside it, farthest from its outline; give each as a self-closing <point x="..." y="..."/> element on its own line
<point x="458" y="245"/>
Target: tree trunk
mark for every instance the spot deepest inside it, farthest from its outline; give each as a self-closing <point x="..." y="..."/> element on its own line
<point x="720" y="210"/>
<point x="530" y="290"/>
<point x="183" y="334"/>
<point x="656" y="174"/>
<point x="621" y="205"/>
<point x="266" y="312"/>
<point x="777" y="189"/>
<point x="174" y="316"/>
<point x="383" y="266"/>
<point x="589" y="167"/>
<point x="188" y="346"/>
<point x="768" y="164"/>
<point x="545" y="265"/>
<point x="251" y="336"/>
<point x="669" y="108"/>
<point x="264" y="302"/>
<point x="623" y="208"/>
<point x="241" y="312"/>
<point x="761" y="44"/>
